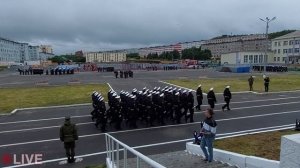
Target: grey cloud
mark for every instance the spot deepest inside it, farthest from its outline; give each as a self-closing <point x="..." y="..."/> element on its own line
<point x="71" y="25"/>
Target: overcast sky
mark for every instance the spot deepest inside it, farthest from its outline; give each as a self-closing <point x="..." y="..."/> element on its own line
<point x="93" y="25"/>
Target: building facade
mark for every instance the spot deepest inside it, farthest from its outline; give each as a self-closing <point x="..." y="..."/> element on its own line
<point x="98" y="57"/>
<point x="229" y="44"/>
<point x="143" y="52"/>
<point x="46" y="49"/>
<point x="16" y="52"/>
<point x="45" y="56"/>
<point x="246" y="58"/>
<point x="33" y="53"/>
<point x="9" y="51"/>
<point x="286" y="48"/>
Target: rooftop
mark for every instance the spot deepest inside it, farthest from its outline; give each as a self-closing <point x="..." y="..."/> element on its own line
<point x="290" y="35"/>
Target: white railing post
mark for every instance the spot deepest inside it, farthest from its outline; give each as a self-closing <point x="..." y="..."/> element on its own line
<point x="106" y="144"/>
<point x="118" y="163"/>
<point x="139" y="156"/>
<point x="109" y="148"/>
<point x="125" y="157"/>
<point x="113" y="151"/>
<point x="137" y="162"/>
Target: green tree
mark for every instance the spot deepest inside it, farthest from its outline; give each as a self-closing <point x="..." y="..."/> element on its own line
<point x="280" y="33"/>
<point x="133" y="55"/>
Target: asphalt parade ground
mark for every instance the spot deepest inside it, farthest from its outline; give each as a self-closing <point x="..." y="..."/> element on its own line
<point x="36" y="131"/>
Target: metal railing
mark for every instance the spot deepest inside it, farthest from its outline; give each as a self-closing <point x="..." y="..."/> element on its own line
<point x="114" y="148"/>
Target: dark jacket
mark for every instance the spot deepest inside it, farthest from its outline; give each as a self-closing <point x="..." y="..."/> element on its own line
<point x="251" y="80"/>
<point x="211" y="96"/>
<point x="199" y="93"/>
<point x="68" y="132"/>
<point x="267" y="80"/>
<point x="227" y="94"/>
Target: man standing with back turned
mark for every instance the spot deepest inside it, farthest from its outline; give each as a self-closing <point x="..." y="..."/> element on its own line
<point x="68" y="135"/>
<point x="251" y="81"/>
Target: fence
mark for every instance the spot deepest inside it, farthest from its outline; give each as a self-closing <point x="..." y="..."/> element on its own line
<point x="115" y="147"/>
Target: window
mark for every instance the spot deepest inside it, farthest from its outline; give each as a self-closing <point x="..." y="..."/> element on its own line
<point x="279" y="43"/>
<point x="285" y="51"/>
<point x="274" y="59"/>
<point x="290" y="50"/>
<point x="297" y="42"/>
<point x="251" y="58"/>
<point x="245" y="58"/>
<point x="275" y="44"/>
<point x="278" y="59"/>
<point x="278" y="51"/>
<point x="285" y="43"/>
<point x="291" y="42"/>
<point x="255" y="59"/>
<point x="260" y="58"/>
<point x="283" y="59"/>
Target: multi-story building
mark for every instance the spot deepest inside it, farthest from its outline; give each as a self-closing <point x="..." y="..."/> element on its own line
<point x="229" y="44"/>
<point x="45" y="56"/>
<point x="46" y="49"/>
<point x="246" y="58"/>
<point x="9" y="51"/>
<point x="187" y="45"/>
<point x="16" y="52"/>
<point x="286" y="48"/>
<point x="108" y="56"/>
<point x="143" y="52"/>
<point x="33" y="53"/>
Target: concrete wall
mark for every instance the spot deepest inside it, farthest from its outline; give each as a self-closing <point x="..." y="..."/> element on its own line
<point x="290" y="151"/>
<point x="242" y="161"/>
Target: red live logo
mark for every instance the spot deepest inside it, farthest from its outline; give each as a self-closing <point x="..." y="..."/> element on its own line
<point x="21" y="159"/>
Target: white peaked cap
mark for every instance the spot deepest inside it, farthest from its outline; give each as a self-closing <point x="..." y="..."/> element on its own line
<point x="162" y="95"/>
<point x="199" y="85"/>
<point x="228" y="87"/>
<point x="184" y="91"/>
<point x="177" y="93"/>
<point x="211" y="89"/>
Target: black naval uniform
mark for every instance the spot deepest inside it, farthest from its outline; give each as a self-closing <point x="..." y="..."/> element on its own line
<point x="211" y="98"/>
<point x="199" y="95"/>
<point x="227" y="98"/>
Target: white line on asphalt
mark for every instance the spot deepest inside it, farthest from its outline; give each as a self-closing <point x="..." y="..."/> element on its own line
<point x="81" y="116"/>
<point x="85" y="104"/>
<point x="220" y="136"/>
<point x="43" y="119"/>
<point x="110" y="86"/>
<point x="203" y="93"/>
<point x="250" y="101"/>
<point x="159" y="127"/>
<point x="40" y="128"/>
<point x="177" y="86"/>
<point x="265" y="105"/>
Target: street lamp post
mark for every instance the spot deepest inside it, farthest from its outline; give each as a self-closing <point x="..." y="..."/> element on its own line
<point x="267" y="21"/>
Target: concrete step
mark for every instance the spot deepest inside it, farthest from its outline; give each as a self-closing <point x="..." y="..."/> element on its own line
<point x="178" y="159"/>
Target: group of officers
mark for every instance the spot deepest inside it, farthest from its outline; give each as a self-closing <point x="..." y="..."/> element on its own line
<point x="60" y="71"/>
<point x="158" y="105"/>
<point x="124" y="74"/>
